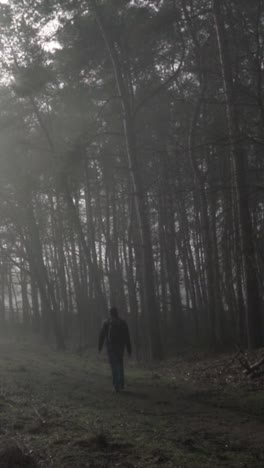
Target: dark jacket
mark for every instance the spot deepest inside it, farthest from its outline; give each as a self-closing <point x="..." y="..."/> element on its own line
<point x="115" y="335"/>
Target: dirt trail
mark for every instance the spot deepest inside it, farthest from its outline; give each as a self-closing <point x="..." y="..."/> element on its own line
<point x="58" y="410"/>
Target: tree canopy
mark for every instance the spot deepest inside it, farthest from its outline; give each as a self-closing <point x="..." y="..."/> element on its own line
<point x="131" y="169"/>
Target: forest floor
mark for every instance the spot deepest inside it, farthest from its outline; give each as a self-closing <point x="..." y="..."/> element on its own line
<point x="57" y="410"/>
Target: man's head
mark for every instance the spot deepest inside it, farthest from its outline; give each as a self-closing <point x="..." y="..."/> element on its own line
<point x="113" y="312"/>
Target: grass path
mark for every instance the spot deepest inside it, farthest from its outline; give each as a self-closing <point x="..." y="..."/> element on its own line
<point x="58" y="410"/>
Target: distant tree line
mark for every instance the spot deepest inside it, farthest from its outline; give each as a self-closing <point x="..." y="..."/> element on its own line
<point x="132" y="170"/>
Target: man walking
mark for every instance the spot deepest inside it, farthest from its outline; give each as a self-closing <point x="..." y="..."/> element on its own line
<point x="115" y="335"/>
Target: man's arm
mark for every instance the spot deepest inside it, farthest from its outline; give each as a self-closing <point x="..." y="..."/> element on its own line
<point x="102" y="336"/>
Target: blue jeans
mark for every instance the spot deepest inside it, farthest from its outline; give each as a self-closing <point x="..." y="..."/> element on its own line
<point x="117" y="368"/>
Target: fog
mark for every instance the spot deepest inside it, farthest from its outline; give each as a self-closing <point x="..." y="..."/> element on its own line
<point x="131" y="176"/>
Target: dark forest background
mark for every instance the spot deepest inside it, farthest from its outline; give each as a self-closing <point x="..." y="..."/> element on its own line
<point x="132" y="170"/>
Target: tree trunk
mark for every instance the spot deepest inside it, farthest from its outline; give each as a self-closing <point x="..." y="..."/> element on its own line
<point x="38" y="269"/>
<point x="254" y="319"/>
<point x="150" y="303"/>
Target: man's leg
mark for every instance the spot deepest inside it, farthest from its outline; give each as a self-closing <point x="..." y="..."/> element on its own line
<point x="114" y="368"/>
<point x="121" y="377"/>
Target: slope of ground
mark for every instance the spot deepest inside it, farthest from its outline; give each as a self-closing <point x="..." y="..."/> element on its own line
<point x="58" y="411"/>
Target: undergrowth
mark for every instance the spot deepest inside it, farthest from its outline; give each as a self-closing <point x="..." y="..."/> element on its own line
<point x="58" y="410"/>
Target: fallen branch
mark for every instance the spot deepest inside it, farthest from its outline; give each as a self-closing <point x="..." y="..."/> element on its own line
<point x="229" y="364"/>
<point x="257" y="364"/>
<point x="245" y="364"/>
<point x="42" y="421"/>
<point x="251" y="369"/>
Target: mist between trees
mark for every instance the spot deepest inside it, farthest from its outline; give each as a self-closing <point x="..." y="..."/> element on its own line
<point x="131" y="170"/>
